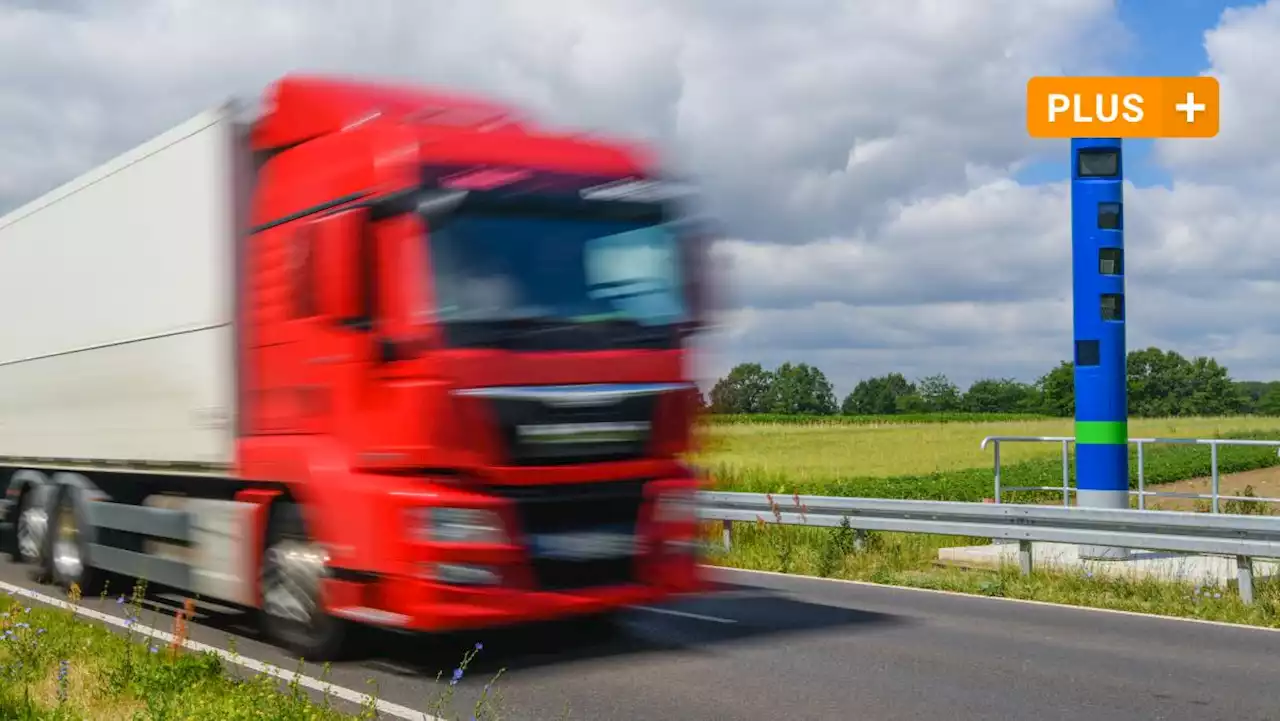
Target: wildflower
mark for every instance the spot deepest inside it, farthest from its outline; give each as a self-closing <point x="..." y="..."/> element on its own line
<point x="457" y="676"/>
<point x="479" y="646"/>
<point x="154" y="649"/>
<point x="120" y="601"/>
<point x="64" y="667"/>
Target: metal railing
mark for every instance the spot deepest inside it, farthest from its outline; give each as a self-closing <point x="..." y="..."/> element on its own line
<point x="1214" y="496"/>
<point x="1244" y="537"/>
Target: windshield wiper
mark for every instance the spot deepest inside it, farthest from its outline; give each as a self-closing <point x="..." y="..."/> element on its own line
<point x="616" y="333"/>
<point x="627" y="331"/>
<point x="504" y="331"/>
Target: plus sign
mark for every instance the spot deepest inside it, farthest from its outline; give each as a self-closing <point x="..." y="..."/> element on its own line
<point x="1190" y="107"/>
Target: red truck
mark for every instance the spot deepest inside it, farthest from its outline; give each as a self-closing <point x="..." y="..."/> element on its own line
<point x="377" y="356"/>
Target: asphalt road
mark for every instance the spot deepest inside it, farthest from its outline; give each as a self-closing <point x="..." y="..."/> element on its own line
<point x="771" y="647"/>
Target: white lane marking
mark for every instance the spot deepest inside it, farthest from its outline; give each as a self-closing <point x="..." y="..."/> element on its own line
<point x="315" y="684"/>
<point x="684" y="614"/>
<point x="1027" y="601"/>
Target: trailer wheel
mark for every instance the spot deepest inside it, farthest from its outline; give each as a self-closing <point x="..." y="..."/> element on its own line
<point x="293" y="566"/>
<point x="31" y="533"/>
<point x="68" y="545"/>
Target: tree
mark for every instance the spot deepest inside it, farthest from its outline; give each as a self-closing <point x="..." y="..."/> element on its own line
<point x="939" y="394"/>
<point x="1269" y="403"/>
<point x="911" y="403"/>
<point x="877" y="396"/>
<point x="1163" y="383"/>
<point x="1254" y="392"/>
<point x="1211" y="392"/>
<point x="1157" y="381"/>
<point x="800" y="389"/>
<point x="1058" y="390"/>
<point x="742" y="391"/>
<point x="999" y="395"/>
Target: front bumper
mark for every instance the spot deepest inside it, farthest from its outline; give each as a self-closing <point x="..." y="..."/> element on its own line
<point x="555" y="558"/>
<point x="414" y="604"/>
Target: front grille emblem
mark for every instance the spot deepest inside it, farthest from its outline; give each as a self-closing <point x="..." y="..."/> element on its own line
<point x="584" y="432"/>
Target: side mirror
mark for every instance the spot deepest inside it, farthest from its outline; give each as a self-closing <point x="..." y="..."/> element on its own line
<point x="338" y="282"/>
<point x="700" y="291"/>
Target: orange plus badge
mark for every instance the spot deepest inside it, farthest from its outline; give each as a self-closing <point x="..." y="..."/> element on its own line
<point x="1122" y="107"/>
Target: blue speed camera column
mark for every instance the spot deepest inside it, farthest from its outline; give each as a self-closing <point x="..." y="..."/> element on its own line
<point x="1097" y="259"/>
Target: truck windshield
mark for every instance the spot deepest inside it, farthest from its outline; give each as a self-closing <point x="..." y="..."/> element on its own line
<point x="556" y="282"/>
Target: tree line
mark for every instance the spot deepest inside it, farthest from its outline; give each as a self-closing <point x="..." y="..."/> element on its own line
<point x="1160" y="384"/>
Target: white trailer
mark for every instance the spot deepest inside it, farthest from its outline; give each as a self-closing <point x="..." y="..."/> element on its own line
<point x="118" y="291"/>
<point x="118" y="300"/>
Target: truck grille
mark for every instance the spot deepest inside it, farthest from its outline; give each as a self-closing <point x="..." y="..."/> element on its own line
<point x="549" y="514"/>
<point x="536" y="433"/>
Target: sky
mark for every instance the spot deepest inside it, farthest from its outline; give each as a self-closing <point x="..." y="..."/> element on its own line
<point x="883" y="205"/>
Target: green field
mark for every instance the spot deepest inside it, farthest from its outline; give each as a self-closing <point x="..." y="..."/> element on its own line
<point x="824" y="452"/>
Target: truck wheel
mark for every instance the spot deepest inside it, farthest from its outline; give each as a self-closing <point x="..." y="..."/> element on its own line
<point x="293" y="567"/>
<point x="68" y="546"/>
<point x="31" y="528"/>
<point x="31" y="534"/>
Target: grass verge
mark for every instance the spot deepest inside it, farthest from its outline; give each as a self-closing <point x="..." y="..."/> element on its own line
<point x="58" y="666"/>
<point x="906" y="559"/>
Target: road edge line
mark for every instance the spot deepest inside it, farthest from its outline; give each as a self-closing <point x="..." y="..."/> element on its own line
<point x="315" y="684"/>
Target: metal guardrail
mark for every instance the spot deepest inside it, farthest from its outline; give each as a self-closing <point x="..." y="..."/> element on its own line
<point x="1244" y="537"/>
<point x="1214" y="496"/>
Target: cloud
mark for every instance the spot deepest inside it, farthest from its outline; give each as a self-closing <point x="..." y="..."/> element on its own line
<point x="861" y="154"/>
<point x="1242" y="51"/>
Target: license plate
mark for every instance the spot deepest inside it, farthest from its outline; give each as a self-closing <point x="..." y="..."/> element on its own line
<point x="583" y="545"/>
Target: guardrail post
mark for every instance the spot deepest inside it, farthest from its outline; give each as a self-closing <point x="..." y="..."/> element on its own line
<point x="996" y="454"/>
<point x="1066" y="476"/>
<point x="1213" y="462"/>
<point x="1244" y="578"/>
<point x="1142" y="478"/>
<point x="860" y="539"/>
<point x="1024" y="557"/>
<point x="726" y="534"/>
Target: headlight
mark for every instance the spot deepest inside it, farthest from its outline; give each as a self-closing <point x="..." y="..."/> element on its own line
<point x="464" y="574"/>
<point x="466" y="525"/>
<point x="457" y="525"/>
<point x="677" y="507"/>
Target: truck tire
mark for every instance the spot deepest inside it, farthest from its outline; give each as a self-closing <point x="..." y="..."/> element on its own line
<point x="292" y="614"/>
<point x="31" y="534"/>
<point x="67" y="545"/>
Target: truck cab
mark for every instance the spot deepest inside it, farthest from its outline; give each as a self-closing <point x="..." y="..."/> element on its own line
<point x="464" y="368"/>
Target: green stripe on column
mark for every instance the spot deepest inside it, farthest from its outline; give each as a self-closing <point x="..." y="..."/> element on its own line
<point x="1102" y="432"/>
